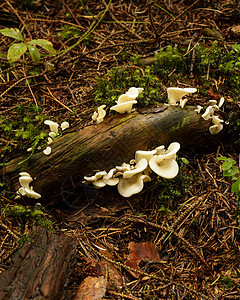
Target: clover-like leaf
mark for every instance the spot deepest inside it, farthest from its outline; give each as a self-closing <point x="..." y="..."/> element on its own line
<point x="16" y="51"/>
<point x="44" y="44"/>
<point x="35" y="55"/>
<point x="236" y="187"/>
<point x="13" y="33"/>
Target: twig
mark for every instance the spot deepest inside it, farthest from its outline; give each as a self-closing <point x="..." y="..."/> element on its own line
<point x="59" y="101"/>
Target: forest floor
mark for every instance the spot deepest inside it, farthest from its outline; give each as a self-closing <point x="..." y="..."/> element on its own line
<point x="176" y="240"/>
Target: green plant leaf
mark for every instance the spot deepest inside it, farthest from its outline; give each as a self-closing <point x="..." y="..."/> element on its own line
<point x="35" y="54"/>
<point x="13" y="33"/>
<point x="228" y="65"/>
<point x="236" y="47"/>
<point x="185" y="160"/>
<point x="16" y="51"/>
<point x="227" y="165"/>
<point x="231" y="172"/>
<point x="222" y="158"/>
<point x="44" y="44"/>
<point x="236" y="187"/>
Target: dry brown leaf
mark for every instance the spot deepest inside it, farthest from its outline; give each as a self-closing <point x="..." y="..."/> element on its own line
<point x="140" y="251"/>
<point x="91" y="288"/>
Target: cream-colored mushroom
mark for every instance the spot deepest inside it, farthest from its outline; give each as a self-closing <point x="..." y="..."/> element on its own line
<point x="213" y="102"/>
<point x="99" y="116"/>
<point x="32" y="194"/>
<point x="175" y="94"/>
<point x="133" y="185"/>
<point x="123" y="98"/>
<point x="183" y="102"/>
<point x="170" y="152"/>
<point x="214" y="129"/>
<point x="53" y="125"/>
<point x="221" y="102"/>
<point x="25" y="181"/>
<point x="139" y="154"/>
<point x="198" y="109"/>
<point x="132" y="93"/>
<point x="208" y="113"/>
<point x="25" y="189"/>
<point x="50" y="140"/>
<point x="166" y="168"/>
<point x="47" y="151"/>
<point x="139" y="168"/>
<point x="123" y="107"/>
<point x="52" y="135"/>
<point x="64" y="125"/>
<point x="110" y="179"/>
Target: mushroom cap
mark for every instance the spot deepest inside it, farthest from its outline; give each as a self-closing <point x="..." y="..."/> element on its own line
<point x="50" y="140"/>
<point x="160" y="150"/>
<point x="99" y="183"/>
<point x="221" y="102"/>
<point x="47" y="151"/>
<point x="139" y="154"/>
<point x="32" y="194"/>
<point x="183" y="102"/>
<point x="53" y="125"/>
<point x="24" y="174"/>
<point x="64" y="125"/>
<point x="170" y="152"/>
<point x="132" y="93"/>
<point x="212" y="102"/>
<point x="109" y="178"/>
<point x="139" y="168"/>
<point x="216" y="120"/>
<point x="175" y="94"/>
<point x="129" y="186"/>
<point x="166" y="168"/>
<point x="214" y="129"/>
<point x="198" y="109"/>
<point x="123" y="98"/>
<point x="208" y="113"/>
<point x="25" y="180"/>
<point x="123" y="107"/>
<point x="140" y="90"/>
<point x="124" y="167"/>
<point x="52" y="134"/>
<point x="94" y="116"/>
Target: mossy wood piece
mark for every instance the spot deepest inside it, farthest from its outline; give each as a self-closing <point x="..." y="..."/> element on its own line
<point x="103" y="146"/>
<point x="40" y="268"/>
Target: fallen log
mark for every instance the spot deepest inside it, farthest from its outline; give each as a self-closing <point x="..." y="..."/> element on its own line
<point x="103" y="146"/>
<point x="40" y="268"/>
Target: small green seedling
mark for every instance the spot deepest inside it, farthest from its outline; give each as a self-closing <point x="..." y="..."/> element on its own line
<point x="231" y="171"/>
<point x="20" y="46"/>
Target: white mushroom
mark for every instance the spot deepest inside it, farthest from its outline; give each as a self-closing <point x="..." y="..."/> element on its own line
<point x="175" y="94"/>
<point x="139" y="154"/>
<point x="208" y="113"/>
<point x="50" y="140"/>
<point x="213" y="102"/>
<point x="124" y="167"/>
<point x="123" y="98"/>
<point x="47" y="151"/>
<point x="24" y="174"/>
<point x="183" y="102"/>
<point x="32" y="194"/>
<point x="198" y="109"/>
<point x="214" y="129"/>
<point x="132" y="93"/>
<point x="130" y="186"/>
<point x="53" y="125"/>
<point x="29" y="149"/>
<point x="139" y="168"/>
<point x="52" y="134"/>
<point x="221" y="102"/>
<point x="166" y="168"/>
<point x="99" y="116"/>
<point x="170" y="152"/>
<point x="64" y="125"/>
<point x="123" y="107"/>
<point x="109" y="178"/>
<point x="25" y="181"/>
<point x="216" y="120"/>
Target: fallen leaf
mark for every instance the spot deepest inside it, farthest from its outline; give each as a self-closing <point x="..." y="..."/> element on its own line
<point x="140" y="251"/>
<point x="91" y="288"/>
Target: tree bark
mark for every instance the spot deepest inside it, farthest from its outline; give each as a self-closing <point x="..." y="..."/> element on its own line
<point x="103" y="146"/>
<point x="40" y="268"/>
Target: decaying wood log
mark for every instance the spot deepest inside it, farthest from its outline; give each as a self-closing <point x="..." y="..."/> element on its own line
<point x="40" y="268"/>
<point x="103" y="146"/>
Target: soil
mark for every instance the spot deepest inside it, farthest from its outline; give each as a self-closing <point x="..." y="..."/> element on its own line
<point x="196" y="233"/>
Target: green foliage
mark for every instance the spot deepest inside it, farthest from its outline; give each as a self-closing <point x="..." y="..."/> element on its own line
<point x="228" y="281"/>
<point x="21" y="215"/>
<point x="24" y="130"/>
<point x="231" y="171"/>
<point x="118" y="81"/>
<point x="16" y="50"/>
<point x="170" y="60"/>
<point x="67" y="32"/>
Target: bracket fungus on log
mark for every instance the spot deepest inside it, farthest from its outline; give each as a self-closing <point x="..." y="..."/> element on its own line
<point x="83" y="152"/>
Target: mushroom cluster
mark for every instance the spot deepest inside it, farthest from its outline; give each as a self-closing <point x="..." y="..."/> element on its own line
<point x="53" y="133"/>
<point x="175" y="94"/>
<point x="126" y="101"/>
<point x="209" y="114"/>
<point x="25" y="190"/>
<point x="130" y="177"/>
<point x="99" y="115"/>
